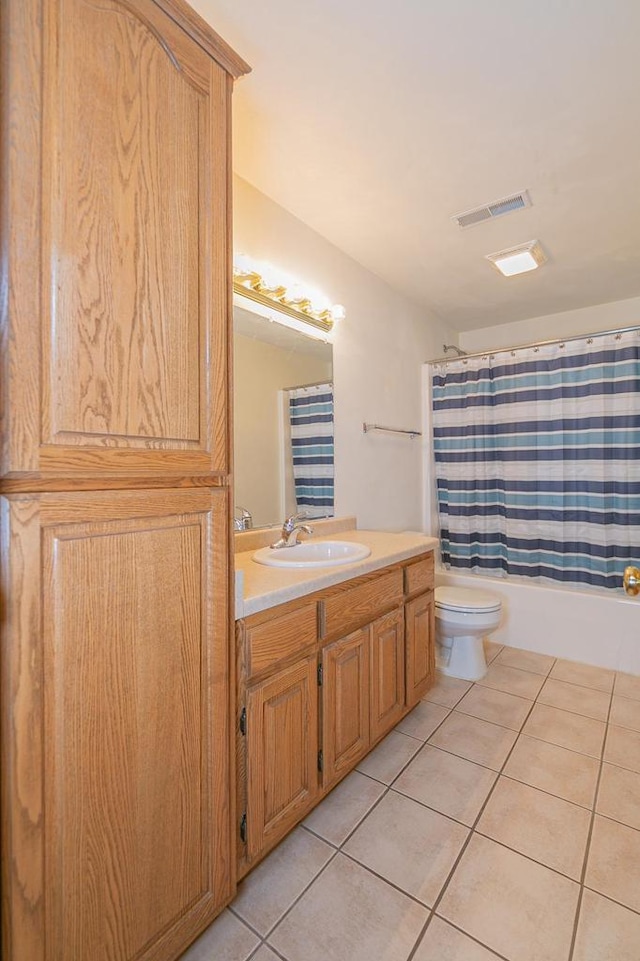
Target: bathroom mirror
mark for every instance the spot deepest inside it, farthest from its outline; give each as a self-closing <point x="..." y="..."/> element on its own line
<point x="275" y="365"/>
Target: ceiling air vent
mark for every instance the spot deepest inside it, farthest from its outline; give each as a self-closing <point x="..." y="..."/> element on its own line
<point x="495" y="209"/>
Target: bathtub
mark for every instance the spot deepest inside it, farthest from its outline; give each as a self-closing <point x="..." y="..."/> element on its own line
<point x="595" y="627"/>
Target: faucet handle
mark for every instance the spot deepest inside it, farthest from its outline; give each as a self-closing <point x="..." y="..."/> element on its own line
<point x="290" y="522"/>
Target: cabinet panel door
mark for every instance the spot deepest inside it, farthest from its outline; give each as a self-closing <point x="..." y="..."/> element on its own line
<point x="345" y="704"/>
<point x="130" y="168"/>
<point x="282" y="753"/>
<point x="387" y="673"/>
<point x="121" y="844"/>
<point x="420" y="647"/>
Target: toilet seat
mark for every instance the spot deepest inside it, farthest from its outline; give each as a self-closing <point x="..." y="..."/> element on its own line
<point x="466" y="601"/>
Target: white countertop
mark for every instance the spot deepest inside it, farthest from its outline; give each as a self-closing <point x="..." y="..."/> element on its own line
<point x="259" y="587"/>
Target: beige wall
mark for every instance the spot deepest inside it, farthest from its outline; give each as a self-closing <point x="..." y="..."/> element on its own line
<point x="378" y="353"/>
<point x="260" y="371"/>
<point x="586" y="320"/>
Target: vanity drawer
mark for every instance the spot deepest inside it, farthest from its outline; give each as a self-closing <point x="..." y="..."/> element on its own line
<point x="351" y="608"/>
<point x="418" y="578"/>
<point x="280" y="637"/>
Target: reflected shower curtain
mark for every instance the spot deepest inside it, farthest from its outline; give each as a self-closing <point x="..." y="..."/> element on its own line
<point x="537" y="458"/>
<point x="311" y="418"/>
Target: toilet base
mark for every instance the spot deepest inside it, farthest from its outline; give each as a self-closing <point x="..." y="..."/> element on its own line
<point x="461" y="656"/>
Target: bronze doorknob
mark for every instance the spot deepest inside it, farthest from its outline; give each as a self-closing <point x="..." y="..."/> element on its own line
<point x="631" y="580"/>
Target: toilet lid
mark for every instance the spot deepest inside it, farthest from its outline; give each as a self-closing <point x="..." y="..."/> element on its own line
<point x="463" y="599"/>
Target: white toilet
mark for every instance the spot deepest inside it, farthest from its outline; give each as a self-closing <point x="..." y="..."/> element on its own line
<point x="463" y="619"/>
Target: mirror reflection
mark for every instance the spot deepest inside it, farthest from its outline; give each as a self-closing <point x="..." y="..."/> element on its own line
<point x="283" y="417"/>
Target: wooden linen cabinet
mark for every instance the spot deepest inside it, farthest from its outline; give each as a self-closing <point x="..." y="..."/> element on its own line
<point x="116" y="669"/>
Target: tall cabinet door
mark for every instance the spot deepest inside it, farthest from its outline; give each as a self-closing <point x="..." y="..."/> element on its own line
<point x="420" y="647"/>
<point x="345" y="704"/>
<point x="116" y="723"/>
<point x="117" y="181"/>
<point x="282" y="753"/>
<point x="387" y="673"/>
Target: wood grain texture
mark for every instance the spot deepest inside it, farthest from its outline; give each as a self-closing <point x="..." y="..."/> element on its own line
<point x="277" y="639"/>
<point x="345" y="705"/>
<point x="387" y="673"/>
<point x="22" y="732"/>
<point x="208" y="39"/>
<point x="363" y="691"/>
<point x="419" y="577"/>
<point x="20" y="263"/>
<point x="282" y="745"/>
<point x="37" y="483"/>
<point x="130" y="805"/>
<point x="351" y="607"/>
<point x="127" y="161"/>
<point x="420" y="661"/>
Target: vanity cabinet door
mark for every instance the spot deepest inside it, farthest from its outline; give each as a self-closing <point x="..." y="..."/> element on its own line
<point x="282" y="753"/>
<point x="387" y="673"/>
<point x="345" y="704"/>
<point x="420" y="647"/>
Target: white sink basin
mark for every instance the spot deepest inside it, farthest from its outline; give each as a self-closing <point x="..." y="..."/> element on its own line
<point x="313" y="554"/>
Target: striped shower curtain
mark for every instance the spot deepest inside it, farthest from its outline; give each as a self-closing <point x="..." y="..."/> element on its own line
<point x="537" y="458"/>
<point x="311" y="419"/>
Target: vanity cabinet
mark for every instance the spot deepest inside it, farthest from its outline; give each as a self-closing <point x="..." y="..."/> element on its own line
<point x="282" y="753"/>
<point x="420" y="661"/>
<point x="116" y="724"/>
<point x="345" y="704"/>
<point x="320" y="681"/>
<point x="387" y="673"/>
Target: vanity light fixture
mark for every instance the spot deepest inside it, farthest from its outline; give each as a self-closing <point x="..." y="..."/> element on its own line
<point x="262" y="284"/>
<point x="518" y="260"/>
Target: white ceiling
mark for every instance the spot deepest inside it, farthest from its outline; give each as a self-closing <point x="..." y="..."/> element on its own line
<point x="374" y="121"/>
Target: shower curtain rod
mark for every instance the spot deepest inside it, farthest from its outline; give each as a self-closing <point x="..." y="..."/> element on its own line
<point x="537" y="343"/>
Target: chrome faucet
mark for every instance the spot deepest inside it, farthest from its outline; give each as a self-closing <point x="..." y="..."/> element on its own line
<point x="244" y="522"/>
<point x="291" y="530"/>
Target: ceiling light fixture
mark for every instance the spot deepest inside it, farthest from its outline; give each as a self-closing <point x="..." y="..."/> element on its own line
<point x="518" y="260"/>
<point x="265" y="285"/>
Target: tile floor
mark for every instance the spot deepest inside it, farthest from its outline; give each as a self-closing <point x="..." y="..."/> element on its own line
<point x="499" y="820"/>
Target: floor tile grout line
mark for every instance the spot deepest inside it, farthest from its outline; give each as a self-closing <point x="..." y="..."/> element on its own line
<point x="471" y="937"/>
<point x="587" y="850"/>
<point x="536" y="737"/>
<point x="583" y="687"/>
<point x="523" y="670"/>
<point x="277" y="953"/>
<point x="544" y="674"/>
<point x="608" y="897"/>
<point x="244" y="921"/>
<point x="336" y="852"/>
<point x="511" y="777"/>
<point x="277" y="923"/>
<point x="489" y="837"/>
<point x="471" y="830"/>
<point x="339" y="850"/>
<point x="392" y="884"/>
<point x="559" y="797"/>
<point x="528" y="857"/>
<point x="468" y="840"/>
